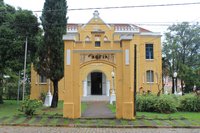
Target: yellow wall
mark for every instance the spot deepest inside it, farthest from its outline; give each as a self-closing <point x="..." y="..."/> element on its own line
<point x="37" y="88"/>
<point x="71" y="87"/>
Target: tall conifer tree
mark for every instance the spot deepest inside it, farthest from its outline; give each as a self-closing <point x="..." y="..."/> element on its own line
<point x="51" y="62"/>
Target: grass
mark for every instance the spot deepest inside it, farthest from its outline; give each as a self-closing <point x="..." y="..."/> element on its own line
<point x="51" y="111"/>
<point x="83" y="107"/>
<point x="9" y="108"/>
<point x="177" y="115"/>
<point x="112" y="108"/>
<point x="53" y="116"/>
<point x="154" y="115"/>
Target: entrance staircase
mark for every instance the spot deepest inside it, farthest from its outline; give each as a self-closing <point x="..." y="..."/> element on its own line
<point x="93" y="98"/>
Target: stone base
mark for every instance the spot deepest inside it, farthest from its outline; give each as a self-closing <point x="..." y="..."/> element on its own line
<point x="48" y="99"/>
<point x="112" y="98"/>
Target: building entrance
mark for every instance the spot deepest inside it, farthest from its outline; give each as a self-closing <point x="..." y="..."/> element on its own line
<point x="96" y="83"/>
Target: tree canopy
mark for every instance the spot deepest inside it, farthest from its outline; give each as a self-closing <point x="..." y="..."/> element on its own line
<point x="182" y="50"/>
<point x="15" y="26"/>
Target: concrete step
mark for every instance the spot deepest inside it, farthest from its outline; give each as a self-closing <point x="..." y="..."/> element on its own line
<point x="95" y="98"/>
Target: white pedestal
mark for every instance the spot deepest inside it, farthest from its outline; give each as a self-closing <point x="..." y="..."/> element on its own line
<point x="107" y="88"/>
<point x="48" y="99"/>
<point x="85" y="88"/>
<point x="112" y="97"/>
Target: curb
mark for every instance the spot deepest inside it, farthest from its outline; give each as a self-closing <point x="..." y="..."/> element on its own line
<point x="96" y="126"/>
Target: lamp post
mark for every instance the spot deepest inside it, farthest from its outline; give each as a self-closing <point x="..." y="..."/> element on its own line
<point x="175" y="75"/>
<point x="113" y="97"/>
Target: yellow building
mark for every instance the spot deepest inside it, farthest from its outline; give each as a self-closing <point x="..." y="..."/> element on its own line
<point x="101" y="59"/>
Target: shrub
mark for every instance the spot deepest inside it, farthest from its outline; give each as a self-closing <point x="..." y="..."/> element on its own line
<point x="153" y="103"/>
<point x="28" y="107"/>
<point x="42" y="96"/>
<point x="145" y="103"/>
<point x="166" y="104"/>
<point x="190" y="102"/>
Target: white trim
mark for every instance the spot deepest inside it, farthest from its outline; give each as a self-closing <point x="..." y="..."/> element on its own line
<point x="150" y="82"/>
<point x="150" y="34"/>
<point x="68" y="57"/>
<point x="149" y="59"/>
<point x="69" y="37"/>
<point x="127" y="57"/>
<point x="43" y="83"/>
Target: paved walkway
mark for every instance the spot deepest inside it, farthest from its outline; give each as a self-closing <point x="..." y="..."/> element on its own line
<point x="15" y="129"/>
<point x="97" y="110"/>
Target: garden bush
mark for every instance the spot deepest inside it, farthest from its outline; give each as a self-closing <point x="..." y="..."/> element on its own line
<point x="145" y="103"/>
<point x="166" y="104"/>
<point x="153" y="103"/>
<point x="189" y="102"/>
<point x="28" y="106"/>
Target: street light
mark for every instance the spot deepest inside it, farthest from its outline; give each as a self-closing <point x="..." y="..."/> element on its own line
<point x="112" y="97"/>
<point x="175" y="75"/>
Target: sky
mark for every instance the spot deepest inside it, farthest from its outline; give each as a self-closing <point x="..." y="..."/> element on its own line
<point x="151" y="18"/>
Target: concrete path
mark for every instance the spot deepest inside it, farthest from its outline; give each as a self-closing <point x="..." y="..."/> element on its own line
<point x="15" y="129"/>
<point x="97" y="110"/>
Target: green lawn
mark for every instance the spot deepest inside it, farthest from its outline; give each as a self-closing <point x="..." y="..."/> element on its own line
<point x="9" y="114"/>
<point x="177" y="115"/>
<point x="153" y="115"/>
<point x="10" y="108"/>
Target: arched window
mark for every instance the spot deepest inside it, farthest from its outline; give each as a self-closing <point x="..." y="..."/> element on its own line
<point x="87" y="39"/>
<point x="149" y="76"/>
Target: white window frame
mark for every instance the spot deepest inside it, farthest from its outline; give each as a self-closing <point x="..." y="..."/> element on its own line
<point x="151" y="76"/>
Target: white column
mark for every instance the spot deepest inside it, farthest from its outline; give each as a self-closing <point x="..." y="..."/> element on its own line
<point x="85" y="88"/>
<point x="108" y="88"/>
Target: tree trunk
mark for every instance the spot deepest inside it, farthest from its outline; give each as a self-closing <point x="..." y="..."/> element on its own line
<point x="54" y="102"/>
<point x="182" y="89"/>
<point x="1" y="99"/>
<point x="1" y="89"/>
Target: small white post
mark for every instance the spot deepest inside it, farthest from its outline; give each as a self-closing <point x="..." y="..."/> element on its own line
<point x="113" y="96"/>
<point x="107" y="88"/>
<point x="48" y="98"/>
<point x="85" y="88"/>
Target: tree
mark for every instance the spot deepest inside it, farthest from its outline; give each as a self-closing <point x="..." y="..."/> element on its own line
<point x="182" y="50"/>
<point x="50" y="61"/>
<point x="15" y="26"/>
<point x="6" y="37"/>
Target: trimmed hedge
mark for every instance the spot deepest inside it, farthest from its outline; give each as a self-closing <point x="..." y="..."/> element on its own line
<point x="153" y="103"/>
<point x="167" y="103"/>
<point x="145" y="103"/>
<point x="189" y="102"/>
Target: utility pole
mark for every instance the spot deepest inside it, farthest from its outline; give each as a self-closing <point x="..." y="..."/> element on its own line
<point x="135" y="77"/>
<point x="24" y="79"/>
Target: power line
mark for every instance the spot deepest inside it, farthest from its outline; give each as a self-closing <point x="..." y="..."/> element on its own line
<point x="162" y="24"/>
<point x="139" y="6"/>
<point x="123" y="7"/>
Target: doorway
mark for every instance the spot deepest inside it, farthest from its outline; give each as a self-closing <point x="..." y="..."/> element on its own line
<point x="96" y="83"/>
